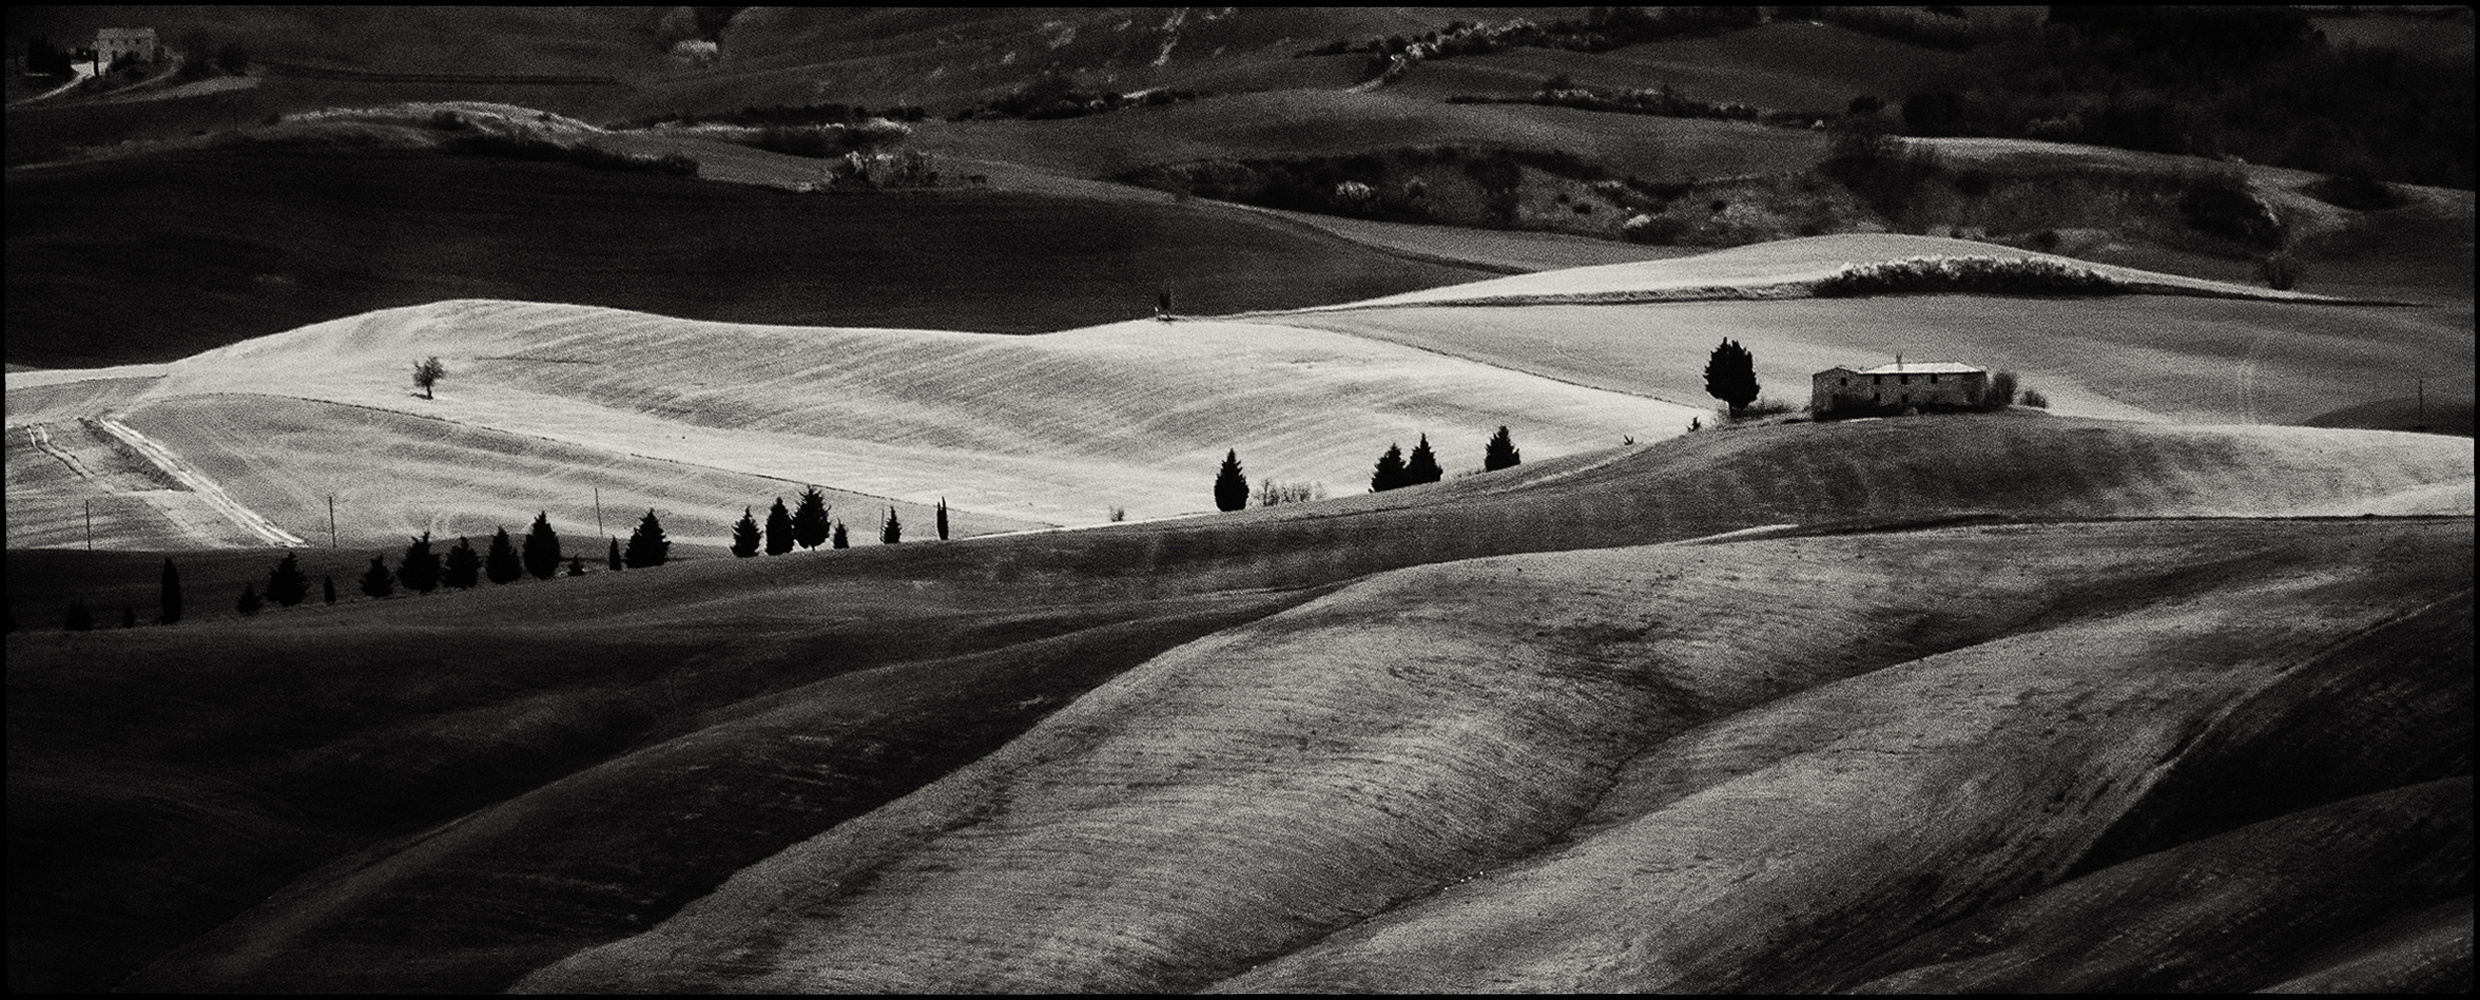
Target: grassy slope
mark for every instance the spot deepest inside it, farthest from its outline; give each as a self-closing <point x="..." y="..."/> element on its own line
<point x="563" y="674"/>
<point x="266" y="240"/>
<point x="1054" y="428"/>
<point x="1241" y="797"/>
<point x="2211" y="360"/>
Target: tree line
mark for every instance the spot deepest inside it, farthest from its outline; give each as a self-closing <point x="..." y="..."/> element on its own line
<point x="1394" y="470"/>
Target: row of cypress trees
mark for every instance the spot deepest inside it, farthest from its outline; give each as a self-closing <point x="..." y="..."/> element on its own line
<point x="1395" y="469"/>
<point x="809" y="524"/>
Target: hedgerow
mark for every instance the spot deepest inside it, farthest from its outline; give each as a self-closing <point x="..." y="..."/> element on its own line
<point x="1999" y="275"/>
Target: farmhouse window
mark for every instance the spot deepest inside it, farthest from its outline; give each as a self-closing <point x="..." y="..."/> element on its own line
<point x="1842" y="381"/>
<point x="1904" y="379"/>
<point x="1933" y="380"/>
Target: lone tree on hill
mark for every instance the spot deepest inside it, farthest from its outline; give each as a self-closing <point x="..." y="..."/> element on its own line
<point x="501" y="564"/>
<point x="744" y="535"/>
<point x="942" y="519"/>
<point x="1390" y="473"/>
<point x="286" y="585"/>
<point x="647" y="546"/>
<point x="1231" y="489"/>
<point x="891" y="532"/>
<point x="77" y="620"/>
<point x="1501" y="452"/>
<point x="419" y="570"/>
<point x="1731" y="376"/>
<point x="843" y="540"/>
<point x="377" y="581"/>
<point x="1422" y="465"/>
<point x="611" y="559"/>
<point x="168" y="595"/>
<point x="464" y="566"/>
<point x="248" y="604"/>
<point x="327" y="587"/>
<point x="428" y="373"/>
<point x="542" y="548"/>
<point x="810" y="526"/>
<point x="779" y="538"/>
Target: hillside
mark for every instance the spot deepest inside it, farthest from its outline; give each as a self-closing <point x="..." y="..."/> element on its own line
<point x="1347" y="730"/>
<point x="236" y="243"/>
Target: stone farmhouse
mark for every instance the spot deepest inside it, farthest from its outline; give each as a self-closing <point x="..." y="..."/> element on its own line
<point x="1899" y="385"/>
<point x="110" y="43"/>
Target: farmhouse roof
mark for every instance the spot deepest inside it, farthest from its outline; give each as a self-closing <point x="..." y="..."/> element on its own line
<point x="1923" y="368"/>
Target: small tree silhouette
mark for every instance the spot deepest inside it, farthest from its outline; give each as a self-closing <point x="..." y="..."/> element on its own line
<point x="327" y="587"/>
<point x="1731" y="376"/>
<point x="892" y="531"/>
<point x="810" y="526"/>
<point x="419" y="570"/>
<point x="168" y="595"/>
<point x="1390" y="472"/>
<point x="377" y="581"/>
<point x="576" y="565"/>
<point x="744" y="535"/>
<point x="611" y="560"/>
<point x="1231" y="488"/>
<point x="249" y="603"/>
<point x="542" y="548"/>
<point x="842" y="539"/>
<point x="464" y="566"/>
<point x="779" y="538"/>
<point x="428" y="373"/>
<point x="286" y="585"/>
<point x="1422" y="465"/>
<point x="77" y="620"/>
<point x="647" y="546"/>
<point x="942" y="519"/>
<point x="1501" y="452"/>
<point x="501" y="564"/>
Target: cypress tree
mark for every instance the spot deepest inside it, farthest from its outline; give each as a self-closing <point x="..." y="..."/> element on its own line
<point x="377" y="581"/>
<point x="249" y="603"/>
<point x="77" y="620"/>
<point x="542" y="548"/>
<point x="1390" y="472"/>
<point x="842" y="540"/>
<point x="1422" y="465"/>
<point x="611" y="561"/>
<point x="810" y="526"/>
<point x="286" y="585"/>
<point x="778" y="529"/>
<point x="942" y="519"/>
<point x="168" y="595"/>
<point x="647" y="546"/>
<point x="744" y="535"/>
<point x="1231" y="488"/>
<point x="891" y="532"/>
<point x="501" y="565"/>
<point x="328" y="584"/>
<point x="419" y="570"/>
<point x="464" y="566"/>
<point x="1501" y="452"/>
<point x="1731" y="376"/>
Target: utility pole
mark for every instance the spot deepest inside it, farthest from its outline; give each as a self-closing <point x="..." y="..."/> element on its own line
<point x="598" y="511"/>
<point x="90" y="526"/>
<point x="2422" y="382"/>
<point x="331" y="520"/>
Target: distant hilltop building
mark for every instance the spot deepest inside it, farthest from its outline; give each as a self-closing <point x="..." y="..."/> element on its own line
<point x="1899" y="385"/>
<point x="110" y="43"/>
